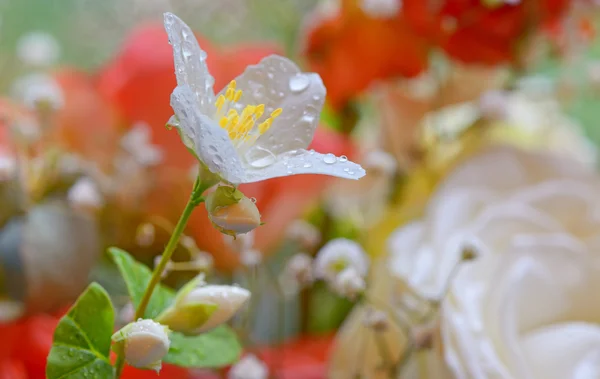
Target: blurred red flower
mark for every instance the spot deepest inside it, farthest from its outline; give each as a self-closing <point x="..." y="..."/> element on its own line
<point x="473" y="32"/>
<point x="351" y="50"/>
<point x="26" y="344"/>
<point x="303" y="358"/>
<point x="139" y="81"/>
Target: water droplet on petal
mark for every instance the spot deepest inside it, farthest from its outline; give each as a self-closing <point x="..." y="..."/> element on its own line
<point x="260" y="157"/>
<point x="329" y="158"/>
<point x="299" y="83"/>
<point x="307" y="165"/>
<point x="343" y="158"/>
<point x="270" y="75"/>
<point x="253" y="199"/>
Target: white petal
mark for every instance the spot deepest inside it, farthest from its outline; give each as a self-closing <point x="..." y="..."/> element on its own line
<point x="190" y="61"/>
<point x="304" y="162"/>
<point x="278" y="83"/>
<point x="210" y="142"/>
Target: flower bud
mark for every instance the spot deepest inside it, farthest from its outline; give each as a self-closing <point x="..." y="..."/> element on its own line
<point x="200" y="308"/>
<point x="144" y="344"/>
<point x="231" y="212"/>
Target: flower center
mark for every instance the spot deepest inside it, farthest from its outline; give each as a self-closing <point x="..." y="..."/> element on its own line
<point x="242" y="127"/>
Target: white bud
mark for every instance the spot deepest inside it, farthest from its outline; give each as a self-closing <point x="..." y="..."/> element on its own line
<point x="84" y="194"/>
<point x="38" y="49"/>
<point x="39" y="91"/>
<point x="144" y="344"/>
<point x="249" y="367"/>
<point x="199" y="308"/>
<point x="349" y="283"/>
<point x="304" y="233"/>
<point x="231" y="212"/>
<point x="338" y="255"/>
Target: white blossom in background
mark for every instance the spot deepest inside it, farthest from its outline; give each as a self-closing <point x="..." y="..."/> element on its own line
<point x="38" y="49"/>
<point x="127" y="313"/>
<point x="380" y="161"/>
<point x="84" y="194"/>
<point x="145" y="234"/>
<point x="8" y="167"/>
<point x="349" y="283"/>
<point x="377" y="320"/>
<point x="338" y="255"/>
<point x="38" y="90"/>
<point x="241" y="242"/>
<point x="297" y="274"/>
<point x="256" y="128"/>
<point x="537" y="196"/>
<point x="250" y="258"/>
<point x="493" y="104"/>
<point x="381" y="8"/>
<point x="304" y="233"/>
<point x="531" y="313"/>
<point x="249" y="367"/>
<point x="137" y="142"/>
<point x="145" y="343"/>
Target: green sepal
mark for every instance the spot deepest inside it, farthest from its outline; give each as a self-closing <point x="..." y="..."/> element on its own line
<point x="186" y="318"/>
<point x="222" y="197"/>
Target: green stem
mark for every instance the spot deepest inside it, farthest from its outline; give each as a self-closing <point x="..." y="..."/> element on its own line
<point x="119" y="365"/>
<point x="166" y="256"/>
<point x="195" y="199"/>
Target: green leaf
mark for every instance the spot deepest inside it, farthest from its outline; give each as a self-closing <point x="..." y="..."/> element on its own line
<point x="216" y="348"/>
<point x="137" y="276"/>
<point x="81" y="343"/>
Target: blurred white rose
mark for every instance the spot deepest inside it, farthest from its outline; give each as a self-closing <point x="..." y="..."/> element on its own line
<point x="531" y="313"/>
<point x="500" y="198"/>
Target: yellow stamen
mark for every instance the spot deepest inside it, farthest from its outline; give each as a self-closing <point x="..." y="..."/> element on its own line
<point x="276" y="112"/>
<point x="229" y="94"/>
<point x="237" y="96"/>
<point x="260" y="109"/>
<point x="262" y="128"/>
<point x="232" y="85"/>
<point x="219" y="103"/>
<point x="223" y="122"/>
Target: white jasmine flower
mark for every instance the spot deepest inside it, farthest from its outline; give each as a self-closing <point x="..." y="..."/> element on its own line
<point x="137" y="143"/>
<point x="338" y="255"/>
<point x="304" y="233"/>
<point x="38" y="90"/>
<point x="38" y="49"/>
<point x="381" y="8"/>
<point x="199" y="308"/>
<point x="349" y="283"/>
<point x="256" y="128"/>
<point x="144" y="343"/>
<point x="85" y="194"/>
<point x="249" y="367"/>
